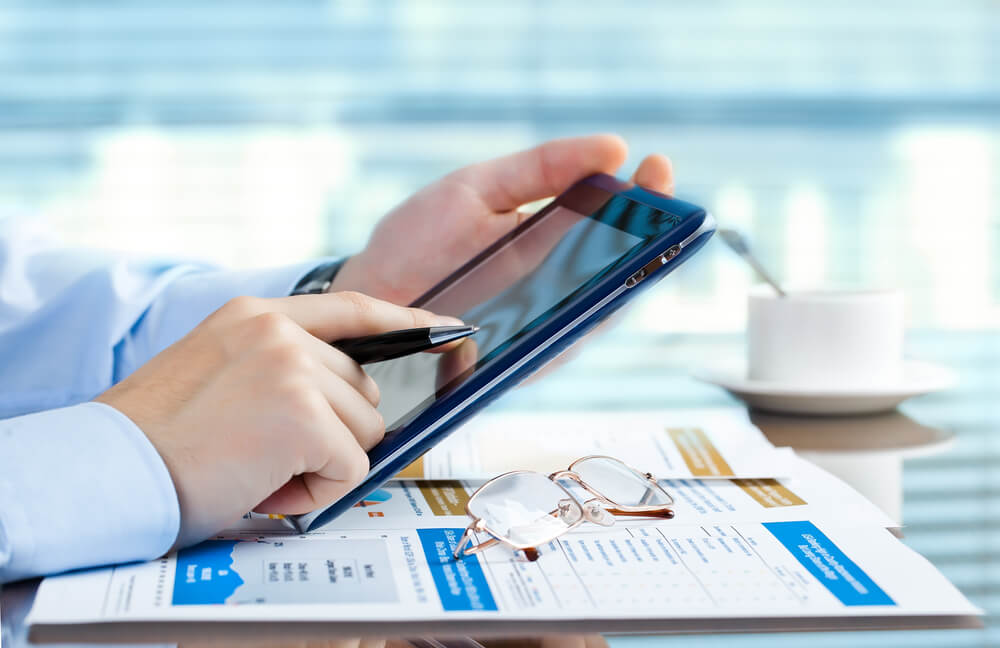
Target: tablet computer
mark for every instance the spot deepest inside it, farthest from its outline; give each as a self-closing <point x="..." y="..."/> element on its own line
<point x="532" y="293"/>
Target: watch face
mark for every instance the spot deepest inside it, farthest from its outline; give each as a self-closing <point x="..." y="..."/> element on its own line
<point x="314" y="287"/>
<point x="318" y="280"/>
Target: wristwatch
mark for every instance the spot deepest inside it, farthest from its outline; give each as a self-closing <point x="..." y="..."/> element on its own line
<point x="318" y="279"/>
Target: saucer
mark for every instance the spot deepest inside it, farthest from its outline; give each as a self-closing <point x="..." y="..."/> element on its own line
<point x="918" y="378"/>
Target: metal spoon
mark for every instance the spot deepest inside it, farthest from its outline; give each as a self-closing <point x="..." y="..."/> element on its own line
<point x="738" y="243"/>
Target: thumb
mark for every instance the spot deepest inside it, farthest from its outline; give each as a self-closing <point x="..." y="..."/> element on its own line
<point x="508" y="182"/>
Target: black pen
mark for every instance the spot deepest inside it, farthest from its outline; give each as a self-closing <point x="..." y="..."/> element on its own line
<point x="396" y="344"/>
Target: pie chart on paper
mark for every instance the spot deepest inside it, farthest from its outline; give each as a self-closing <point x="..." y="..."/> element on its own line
<point x="374" y="499"/>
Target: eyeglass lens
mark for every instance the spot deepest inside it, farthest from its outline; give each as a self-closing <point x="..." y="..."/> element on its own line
<point x="527" y="509"/>
<point x="619" y="483"/>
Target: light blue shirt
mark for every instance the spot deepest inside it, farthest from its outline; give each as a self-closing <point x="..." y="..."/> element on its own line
<point x="80" y="484"/>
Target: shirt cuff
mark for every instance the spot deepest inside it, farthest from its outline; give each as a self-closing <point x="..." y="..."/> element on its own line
<point x="190" y="298"/>
<point x="81" y="486"/>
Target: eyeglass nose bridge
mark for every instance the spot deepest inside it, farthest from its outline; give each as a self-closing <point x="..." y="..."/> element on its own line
<point x="595" y="512"/>
<point x="594" y="509"/>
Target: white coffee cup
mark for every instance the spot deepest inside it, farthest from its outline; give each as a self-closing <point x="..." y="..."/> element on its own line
<point x="827" y="339"/>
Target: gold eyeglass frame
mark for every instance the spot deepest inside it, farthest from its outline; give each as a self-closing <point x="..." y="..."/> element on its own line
<point x="591" y="510"/>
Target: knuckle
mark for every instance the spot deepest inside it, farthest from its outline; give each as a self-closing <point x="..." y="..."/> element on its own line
<point x="372" y="391"/>
<point x="296" y="397"/>
<point x="270" y="325"/>
<point x="418" y="317"/>
<point x="241" y="307"/>
<point x="364" y="422"/>
<point x="289" y="359"/>
<point x="373" y="430"/>
<point x="359" y="302"/>
<point x="346" y="364"/>
<point x="378" y="425"/>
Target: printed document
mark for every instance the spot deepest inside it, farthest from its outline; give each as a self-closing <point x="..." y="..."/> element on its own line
<point x="707" y="444"/>
<point x="760" y="553"/>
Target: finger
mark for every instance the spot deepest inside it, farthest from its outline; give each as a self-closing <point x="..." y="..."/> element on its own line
<point x="332" y="473"/>
<point x="655" y="172"/>
<point x="352" y="408"/>
<point x="336" y="316"/>
<point x="304" y="494"/>
<point x="508" y="182"/>
<point x="595" y="641"/>
<point x="341" y="364"/>
<point x="573" y="641"/>
<point x="326" y="487"/>
<point x="456" y="363"/>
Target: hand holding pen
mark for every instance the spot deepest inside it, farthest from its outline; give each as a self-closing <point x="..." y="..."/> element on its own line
<point x="255" y="408"/>
<point x="396" y="344"/>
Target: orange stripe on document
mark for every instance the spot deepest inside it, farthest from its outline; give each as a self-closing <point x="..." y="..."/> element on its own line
<point x="699" y="453"/>
<point x="414" y="471"/>
<point x="769" y="493"/>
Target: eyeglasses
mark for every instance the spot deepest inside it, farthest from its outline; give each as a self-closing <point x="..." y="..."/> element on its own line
<point x="526" y="509"/>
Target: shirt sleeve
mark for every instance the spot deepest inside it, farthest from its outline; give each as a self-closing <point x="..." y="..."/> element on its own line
<point x="73" y="323"/>
<point x="188" y="299"/>
<point x="80" y="486"/>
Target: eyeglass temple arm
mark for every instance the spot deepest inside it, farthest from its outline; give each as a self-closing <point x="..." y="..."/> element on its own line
<point x="529" y="552"/>
<point x="663" y="513"/>
<point x="473" y="549"/>
<point x="649" y="494"/>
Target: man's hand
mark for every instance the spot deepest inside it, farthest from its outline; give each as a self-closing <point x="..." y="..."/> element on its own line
<point x="253" y="409"/>
<point x="445" y="224"/>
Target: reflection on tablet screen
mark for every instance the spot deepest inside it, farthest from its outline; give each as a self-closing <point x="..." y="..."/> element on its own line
<point x="508" y="292"/>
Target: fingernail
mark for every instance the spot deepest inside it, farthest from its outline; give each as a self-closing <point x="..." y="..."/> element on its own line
<point x="447" y="320"/>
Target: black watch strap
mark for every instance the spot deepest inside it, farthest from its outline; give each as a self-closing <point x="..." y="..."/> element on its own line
<point x="318" y="279"/>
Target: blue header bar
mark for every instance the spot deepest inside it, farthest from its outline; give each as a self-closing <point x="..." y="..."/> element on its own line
<point x="461" y="584"/>
<point x="828" y="563"/>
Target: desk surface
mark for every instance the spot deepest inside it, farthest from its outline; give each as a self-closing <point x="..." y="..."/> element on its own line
<point x="950" y="502"/>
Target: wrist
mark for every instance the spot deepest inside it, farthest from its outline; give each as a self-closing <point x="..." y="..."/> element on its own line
<point x="342" y="279"/>
<point x="353" y="276"/>
<point x="349" y="277"/>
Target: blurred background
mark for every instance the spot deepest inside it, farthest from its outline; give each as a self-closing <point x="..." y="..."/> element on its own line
<point x="858" y="143"/>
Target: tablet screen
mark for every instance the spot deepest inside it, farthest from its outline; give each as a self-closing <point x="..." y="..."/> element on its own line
<point x="508" y="292"/>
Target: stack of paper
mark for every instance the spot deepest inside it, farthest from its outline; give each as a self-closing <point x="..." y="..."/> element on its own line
<point x="761" y="540"/>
